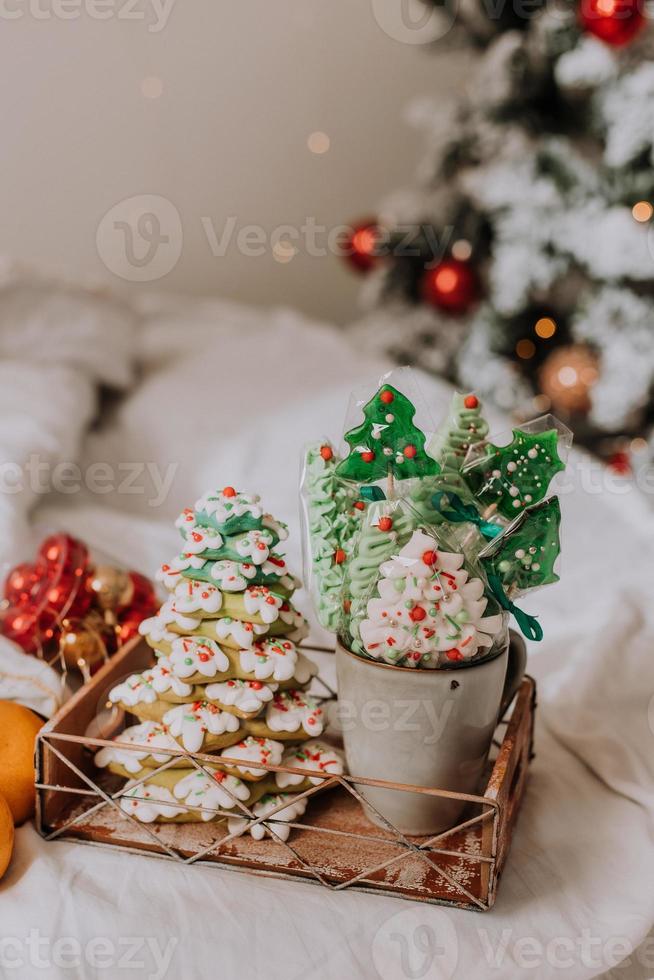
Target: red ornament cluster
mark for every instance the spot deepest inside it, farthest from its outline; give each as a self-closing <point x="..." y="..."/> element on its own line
<point x="57" y="587"/>
<point x="616" y="22"/>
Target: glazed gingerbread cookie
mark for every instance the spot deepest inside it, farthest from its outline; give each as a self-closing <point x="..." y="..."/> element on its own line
<point x="291" y="716"/>
<point x="136" y="748"/>
<point x="243" y="698"/>
<point x="159" y="682"/>
<point x="186" y="796"/>
<point x="315" y="756"/>
<point x="282" y="810"/>
<point x="265" y="751"/>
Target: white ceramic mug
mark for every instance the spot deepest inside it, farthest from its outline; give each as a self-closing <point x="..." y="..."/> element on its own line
<point x="429" y="728"/>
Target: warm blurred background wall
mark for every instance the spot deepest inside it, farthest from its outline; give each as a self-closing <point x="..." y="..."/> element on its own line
<point x="210" y="105"/>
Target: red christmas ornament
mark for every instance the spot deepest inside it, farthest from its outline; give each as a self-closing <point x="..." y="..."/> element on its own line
<point x="410" y="452"/>
<point x="385" y="524"/>
<point x="620" y="463"/>
<point x="451" y="286"/>
<point x="327" y="453"/>
<point x="387" y="397"/>
<point x="20" y="583"/>
<point x="616" y="22"/>
<point x="429" y="558"/>
<point x="368" y="456"/>
<point x="471" y="401"/>
<point x="417" y="614"/>
<point x="360" y="246"/>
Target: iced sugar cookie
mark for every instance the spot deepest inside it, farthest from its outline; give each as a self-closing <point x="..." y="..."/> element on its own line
<point x="263" y="750"/>
<point x="243" y="698"/>
<point x="238" y="634"/>
<point x="146" y="739"/>
<point x="201" y="726"/>
<point x="283" y="809"/>
<point x="158" y="682"/>
<point x="314" y="755"/>
<point x="150" y="804"/>
<point x="275" y="661"/>
<point x="291" y="715"/>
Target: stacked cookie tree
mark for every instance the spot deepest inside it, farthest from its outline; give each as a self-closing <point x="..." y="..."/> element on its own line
<point x="228" y="679"/>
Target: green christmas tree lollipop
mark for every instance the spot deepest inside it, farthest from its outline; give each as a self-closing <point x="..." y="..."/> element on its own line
<point x="525" y="555"/>
<point x="513" y="477"/>
<point x="387" y="443"/>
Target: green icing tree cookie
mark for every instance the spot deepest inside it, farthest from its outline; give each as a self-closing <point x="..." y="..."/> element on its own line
<point x="333" y="519"/>
<point x="525" y="556"/>
<point x="464" y="427"/>
<point x="387" y="442"/>
<point x="385" y="529"/>
<point x="518" y="475"/>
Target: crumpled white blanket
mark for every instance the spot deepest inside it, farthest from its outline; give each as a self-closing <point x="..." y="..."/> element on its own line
<point x="229" y="395"/>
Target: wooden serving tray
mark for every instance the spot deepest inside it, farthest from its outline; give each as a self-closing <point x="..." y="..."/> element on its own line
<point x="334" y="845"/>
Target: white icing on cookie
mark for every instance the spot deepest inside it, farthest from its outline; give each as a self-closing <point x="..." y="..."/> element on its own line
<point x="223" y="506"/>
<point x="249" y="696"/>
<point x="259" y="600"/>
<point x="253" y="749"/>
<point x="213" y="793"/>
<point x="313" y="755"/>
<point x="170" y="572"/>
<point x="197" y="538"/>
<point x="428" y="611"/>
<point x="194" y="596"/>
<point x="232" y="576"/>
<point x="197" y="655"/>
<point x="242" y="633"/>
<point x="191" y="722"/>
<point x="292" y="710"/>
<point x="254" y="545"/>
<point x="270" y="658"/>
<point x="156" y="629"/>
<point x="277" y="527"/>
<point x="169" y="613"/>
<point x="150" y="734"/>
<point x="148" y="802"/>
<point x="145" y="688"/>
<point x="278" y="828"/>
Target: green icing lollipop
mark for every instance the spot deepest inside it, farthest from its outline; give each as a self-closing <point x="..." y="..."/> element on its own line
<point x="333" y="517"/>
<point x="386" y="529"/>
<point x="464" y="427"/>
<point x="510" y="478"/>
<point x="526" y="555"/>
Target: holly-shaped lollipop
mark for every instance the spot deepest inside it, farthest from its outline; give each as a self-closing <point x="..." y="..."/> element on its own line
<point x="387" y="443"/>
<point x="526" y="553"/>
<point x="510" y="478"/>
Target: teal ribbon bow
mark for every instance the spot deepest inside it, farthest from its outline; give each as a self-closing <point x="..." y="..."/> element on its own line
<point x="529" y="625"/>
<point x="454" y="510"/>
<point x="372" y="493"/>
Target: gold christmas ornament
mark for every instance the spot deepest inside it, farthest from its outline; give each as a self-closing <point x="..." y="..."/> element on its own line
<point x="82" y="644"/>
<point x="567" y="377"/>
<point x="113" y="587"/>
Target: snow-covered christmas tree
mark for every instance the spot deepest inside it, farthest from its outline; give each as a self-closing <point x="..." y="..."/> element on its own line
<point x="522" y="262"/>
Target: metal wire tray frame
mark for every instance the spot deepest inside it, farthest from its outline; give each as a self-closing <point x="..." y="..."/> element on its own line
<point x="333" y="844"/>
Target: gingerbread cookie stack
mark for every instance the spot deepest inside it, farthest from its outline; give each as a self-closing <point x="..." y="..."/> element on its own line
<point x="228" y="678"/>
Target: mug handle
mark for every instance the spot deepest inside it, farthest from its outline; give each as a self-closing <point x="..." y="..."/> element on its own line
<point x="515" y="670"/>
